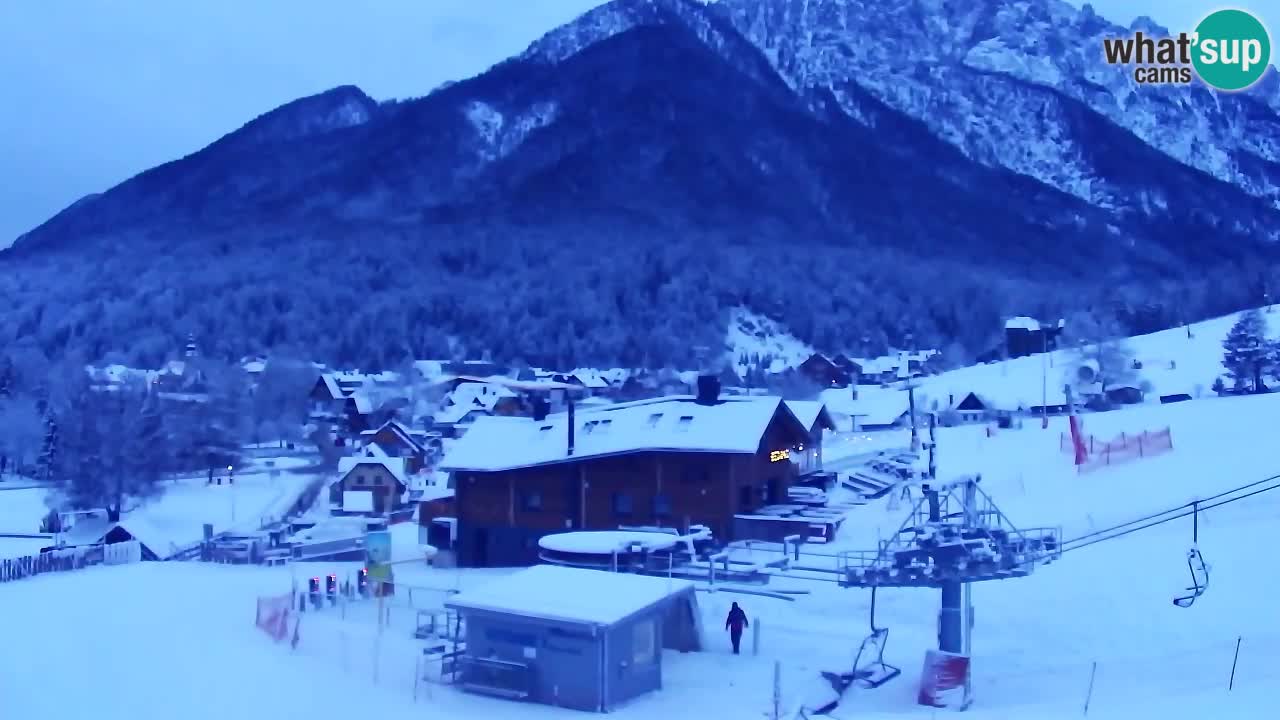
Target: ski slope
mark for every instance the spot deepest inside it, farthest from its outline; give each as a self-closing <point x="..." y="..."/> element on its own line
<point x="176" y="518"/>
<point x="180" y="639"/>
<point x="1184" y="360"/>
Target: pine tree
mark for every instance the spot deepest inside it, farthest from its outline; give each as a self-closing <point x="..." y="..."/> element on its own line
<point x="1247" y="354"/>
<point x="49" y="449"/>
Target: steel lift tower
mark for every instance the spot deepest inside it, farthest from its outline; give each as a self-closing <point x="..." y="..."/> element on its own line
<point x="955" y="535"/>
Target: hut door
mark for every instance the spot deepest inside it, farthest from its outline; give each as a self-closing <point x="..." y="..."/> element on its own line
<point x="771" y="492"/>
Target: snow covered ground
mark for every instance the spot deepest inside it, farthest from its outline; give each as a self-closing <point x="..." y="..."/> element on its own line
<point x="756" y="337"/>
<point x="176" y="518"/>
<point x="1179" y="360"/>
<point x="1183" y="360"/>
<point x="182" y="641"/>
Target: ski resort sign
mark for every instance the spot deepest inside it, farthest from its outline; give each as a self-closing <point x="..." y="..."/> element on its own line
<point x="1229" y="50"/>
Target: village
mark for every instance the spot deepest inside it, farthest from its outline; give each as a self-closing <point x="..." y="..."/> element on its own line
<point x="615" y="499"/>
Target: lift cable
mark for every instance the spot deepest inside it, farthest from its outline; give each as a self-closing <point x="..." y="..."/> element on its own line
<point x="1191" y="508"/>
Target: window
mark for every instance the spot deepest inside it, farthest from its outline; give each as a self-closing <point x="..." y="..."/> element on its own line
<point x="605" y="425"/>
<point x="531" y="500"/>
<point x="684" y="423"/>
<point x="621" y="504"/>
<point x="661" y="506"/>
<point x="644" y="643"/>
<point x="654" y="418"/>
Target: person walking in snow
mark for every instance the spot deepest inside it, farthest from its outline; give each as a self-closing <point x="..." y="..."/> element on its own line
<point x="736" y="621"/>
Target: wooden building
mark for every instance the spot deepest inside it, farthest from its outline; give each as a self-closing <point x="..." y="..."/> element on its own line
<point x="824" y="372"/>
<point x="376" y="485"/>
<point x="1028" y="336"/>
<point x="671" y="462"/>
<point x="397" y="440"/>
<point x="814" y="416"/>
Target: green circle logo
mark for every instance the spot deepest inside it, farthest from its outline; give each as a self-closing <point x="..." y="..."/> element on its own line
<point x="1232" y="50"/>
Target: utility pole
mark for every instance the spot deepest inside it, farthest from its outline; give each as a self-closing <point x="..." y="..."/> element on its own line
<point x="933" y="447"/>
<point x="904" y="371"/>
<point x="1044" y="387"/>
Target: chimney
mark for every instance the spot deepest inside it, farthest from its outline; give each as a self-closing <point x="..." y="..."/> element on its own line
<point x="571" y="424"/>
<point x="708" y="390"/>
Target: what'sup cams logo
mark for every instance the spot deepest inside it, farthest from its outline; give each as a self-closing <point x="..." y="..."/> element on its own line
<point x="1229" y="50"/>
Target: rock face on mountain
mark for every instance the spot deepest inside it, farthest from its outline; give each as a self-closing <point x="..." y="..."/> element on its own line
<point x="859" y="170"/>
<point x="999" y="79"/>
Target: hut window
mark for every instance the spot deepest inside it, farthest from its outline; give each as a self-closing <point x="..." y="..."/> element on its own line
<point x="661" y="505"/>
<point x="654" y="418"/>
<point x="621" y="504"/>
<point x="644" y="648"/>
<point x="685" y="421"/>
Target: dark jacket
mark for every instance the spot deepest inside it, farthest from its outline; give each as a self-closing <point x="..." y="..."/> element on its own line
<point x="736" y="620"/>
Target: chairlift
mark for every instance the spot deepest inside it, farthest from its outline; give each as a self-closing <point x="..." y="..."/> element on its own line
<point x="1195" y="563"/>
<point x="869" y="668"/>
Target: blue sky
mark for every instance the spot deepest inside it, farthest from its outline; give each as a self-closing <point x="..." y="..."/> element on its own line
<point x="97" y="91"/>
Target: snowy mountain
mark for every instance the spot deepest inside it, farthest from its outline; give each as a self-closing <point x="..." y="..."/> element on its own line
<point x="610" y="196"/>
<point x="1006" y="81"/>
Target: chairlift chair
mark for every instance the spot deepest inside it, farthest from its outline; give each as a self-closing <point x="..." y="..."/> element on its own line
<point x="1199" y="579"/>
<point x="869" y="668"/>
<point x="1195" y="563"/>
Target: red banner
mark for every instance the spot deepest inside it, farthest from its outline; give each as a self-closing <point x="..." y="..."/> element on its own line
<point x="944" y="682"/>
<point x="273" y="616"/>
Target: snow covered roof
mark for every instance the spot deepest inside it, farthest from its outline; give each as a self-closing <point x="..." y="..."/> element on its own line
<point x="590" y="377"/>
<point x="574" y="595"/>
<point x="331" y="386"/>
<point x="1022" y="322"/>
<point x="88" y="530"/>
<point x="879" y="407"/>
<point x="677" y="423"/>
<point x="394" y="465"/>
<point x="605" y="542"/>
<point x="412" y="438"/>
<point x="808" y="411"/>
<point x="364" y="405"/>
<point x="471" y="397"/>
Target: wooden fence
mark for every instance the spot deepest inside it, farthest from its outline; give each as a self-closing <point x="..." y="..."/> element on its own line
<point x="51" y="561"/>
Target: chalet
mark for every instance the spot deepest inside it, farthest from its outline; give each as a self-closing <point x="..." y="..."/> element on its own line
<point x="672" y="461"/>
<point x="822" y="371"/>
<point x="1028" y="336"/>
<point x="877" y="371"/>
<point x="814" y="416"/>
<point x="366" y="484"/>
<point x="328" y="400"/>
<point x="970" y="408"/>
<point x="470" y="401"/>
<point x="394" y="439"/>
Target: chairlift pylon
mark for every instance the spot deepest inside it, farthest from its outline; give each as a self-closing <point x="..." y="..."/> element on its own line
<point x="1195" y="563"/>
